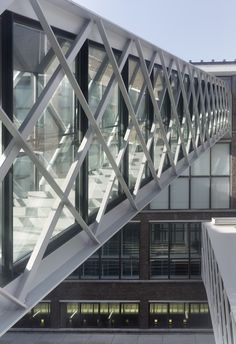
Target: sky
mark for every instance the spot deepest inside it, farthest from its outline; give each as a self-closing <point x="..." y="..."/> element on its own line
<point x="191" y="29"/>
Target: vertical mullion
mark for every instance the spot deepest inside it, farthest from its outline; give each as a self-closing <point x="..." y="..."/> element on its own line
<point x="150" y="120"/>
<point x="189" y="230"/>
<point x="7" y="105"/>
<point x="124" y="122"/>
<point x="170" y="229"/>
<point x="81" y="125"/>
<point x="121" y="238"/>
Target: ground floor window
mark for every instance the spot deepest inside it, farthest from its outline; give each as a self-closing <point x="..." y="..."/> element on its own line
<point x="99" y="314"/>
<point x="39" y="316"/>
<point x="179" y="315"/>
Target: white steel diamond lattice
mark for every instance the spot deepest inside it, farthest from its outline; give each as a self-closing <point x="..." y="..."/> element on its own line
<point x="204" y="119"/>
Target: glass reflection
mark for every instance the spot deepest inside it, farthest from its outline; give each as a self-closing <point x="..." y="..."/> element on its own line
<point x="175" y="250"/>
<point x="99" y="170"/>
<point x="136" y="82"/>
<point x="51" y="139"/>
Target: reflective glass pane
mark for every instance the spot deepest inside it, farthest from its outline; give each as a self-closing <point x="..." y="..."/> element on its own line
<point x="179" y="248"/>
<point x="201" y="167"/>
<point x="130" y="251"/>
<point x="99" y="169"/>
<point x="34" y="63"/>
<point x="220" y="192"/>
<point x="51" y="138"/>
<point x="220" y="159"/>
<point x="90" y="268"/>
<point x="179" y="194"/>
<point x="110" y="258"/>
<point x="135" y="149"/>
<point x="161" y="201"/>
<point x="200" y="193"/>
<point x="31" y="207"/>
<point x="158" y="149"/>
<point x="159" y="247"/>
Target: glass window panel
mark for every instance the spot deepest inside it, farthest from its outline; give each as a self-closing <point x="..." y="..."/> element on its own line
<point x="200" y="193"/>
<point x="31" y="207"/>
<point x="100" y="171"/>
<point x="42" y="308"/>
<point x="114" y="308"/>
<point x="161" y="201"/>
<point x="220" y="159"/>
<point x="179" y="194"/>
<point x="129" y="268"/>
<point x="179" y="236"/>
<point x="194" y="308"/>
<point x="130" y="240"/>
<point x="110" y="268"/>
<point x="112" y="247"/>
<point x="51" y="139"/>
<point x="87" y="308"/>
<point x="159" y="240"/>
<point x="90" y="269"/>
<point x="104" y="308"/>
<point x="129" y="308"/>
<point x="95" y="308"/>
<point x="135" y="149"/>
<point x="201" y="167"/>
<point x="179" y="268"/>
<point x="159" y="268"/>
<point x="195" y="239"/>
<point x="185" y="172"/>
<point x="34" y="63"/>
<point x="176" y="308"/>
<point x="220" y="192"/>
<point x="204" y="308"/>
<point x="195" y="268"/>
<point x="158" y="308"/>
<point x="71" y="308"/>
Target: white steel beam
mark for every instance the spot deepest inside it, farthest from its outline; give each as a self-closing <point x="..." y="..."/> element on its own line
<point x="39" y="106"/>
<point x="79" y="94"/>
<point x="126" y="97"/>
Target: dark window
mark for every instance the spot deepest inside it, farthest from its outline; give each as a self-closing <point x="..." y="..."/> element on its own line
<point x="175" y="250"/>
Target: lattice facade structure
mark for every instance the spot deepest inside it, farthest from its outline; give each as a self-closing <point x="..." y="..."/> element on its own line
<point x="138" y="118"/>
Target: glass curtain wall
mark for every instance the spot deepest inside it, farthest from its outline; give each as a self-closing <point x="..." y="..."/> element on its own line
<point x="205" y="185"/>
<point x="117" y="259"/>
<point x="51" y="137"/>
<point x="99" y="168"/>
<point x="175" y="250"/>
<point x="136" y="82"/>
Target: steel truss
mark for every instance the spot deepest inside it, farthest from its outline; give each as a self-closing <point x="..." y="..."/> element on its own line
<point x="197" y="130"/>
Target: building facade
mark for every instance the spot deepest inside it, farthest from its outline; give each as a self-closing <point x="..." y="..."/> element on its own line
<point x="148" y="276"/>
<point x="95" y="123"/>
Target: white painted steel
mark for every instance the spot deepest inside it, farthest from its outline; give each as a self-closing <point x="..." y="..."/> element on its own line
<point x="42" y="274"/>
<point x="218" y="274"/>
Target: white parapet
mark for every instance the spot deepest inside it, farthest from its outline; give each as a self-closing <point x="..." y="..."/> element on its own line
<point x="219" y="276"/>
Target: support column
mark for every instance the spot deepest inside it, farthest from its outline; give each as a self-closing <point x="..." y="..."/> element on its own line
<point x="144" y="249"/>
<point x="143" y="314"/>
<point x="55" y="313"/>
